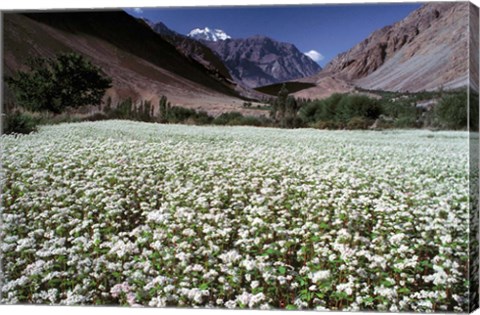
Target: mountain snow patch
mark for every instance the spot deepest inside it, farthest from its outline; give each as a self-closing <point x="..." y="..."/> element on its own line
<point x="208" y="34"/>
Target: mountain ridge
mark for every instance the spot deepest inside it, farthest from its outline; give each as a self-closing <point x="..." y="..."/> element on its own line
<point x="260" y="60"/>
<point x="253" y="61"/>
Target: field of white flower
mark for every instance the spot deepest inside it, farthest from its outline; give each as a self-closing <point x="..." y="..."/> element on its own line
<point x="133" y="213"/>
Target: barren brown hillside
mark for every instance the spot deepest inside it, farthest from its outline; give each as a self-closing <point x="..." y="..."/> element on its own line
<point x="142" y="65"/>
<point x="426" y="50"/>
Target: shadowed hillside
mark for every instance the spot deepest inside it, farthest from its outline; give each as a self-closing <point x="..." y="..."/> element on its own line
<point x="141" y="63"/>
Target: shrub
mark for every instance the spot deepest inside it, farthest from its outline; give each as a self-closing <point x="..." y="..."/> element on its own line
<point x="96" y="117"/>
<point x="227" y="118"/>
<point x="473" y="112"/>
<point x="293" y="122"/>
<point x="406" y="122"/>
<point x="18" y="122"/>
<point x="123" y="110"/>
<point x="402" y="108"/>
<point x="202" y="118"/>
<point x="307" y="112"/>
<point x="340" y="108"/>
<point x="328" y="108"/>
<point x="452" y="111"/>
<point x="353" y="106"/>
<point x="358" y="123"/>
<point x="326" y="125"/>
<point x="181" y="114"/>
<point x="237" y="119"/>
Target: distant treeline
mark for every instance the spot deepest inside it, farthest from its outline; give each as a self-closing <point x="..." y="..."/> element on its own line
<point x="18" y="121"/>
<point x="370" y="109"/>
<point x="361" y="110"/>
<point x="434" y="110"/>
<point x="347" y="111"/>
<point x="167" y="113"/>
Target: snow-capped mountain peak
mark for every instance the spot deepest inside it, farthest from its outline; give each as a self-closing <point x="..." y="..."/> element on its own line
<point x="208" y="34"/>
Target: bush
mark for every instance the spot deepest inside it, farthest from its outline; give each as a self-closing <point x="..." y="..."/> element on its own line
<point x="340" y="108"/>
<point x="293" y="122"/>
<point x="18" y="122"/>
<point x="227" y="118"/>
<point x="382" y="124"/>
<point x="246" y="121"/>
<point x="48" y="119"/>
<point x="122" y="111"/>
<point x="473" y="117"/>
<point x="406" y="122"/>
<point x="354" y="106"/>
<point x="326" y="125"/>
<point x="327" y="110"/>
<point x="399" y="109"/>
<point x="203" y="118"/>
<point x="237" y="119"/>
<point x="359" y="123"/>
<point x="96" y="117"/>
<point x="452" y="111"/>
<point x="180" y="114"/>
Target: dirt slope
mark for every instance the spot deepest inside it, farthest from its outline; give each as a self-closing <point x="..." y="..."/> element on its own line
<point x="141" y="64"/>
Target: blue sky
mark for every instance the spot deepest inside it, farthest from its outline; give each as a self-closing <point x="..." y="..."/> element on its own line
<point x="327" y="29"/>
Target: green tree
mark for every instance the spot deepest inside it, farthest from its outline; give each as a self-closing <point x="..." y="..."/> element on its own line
<point x="282" y="101"/>
<point x="53" y="84"/>
<point x="124" y="110"/>
<point x="163" y="109"/>
<point x="452" y="111"/>
<point x="351" y="106"/>
<point x="147" y="106"/>
<point x="473" y="110"/>
<point x="277" y="112"/>
<point x="290" y="119"/>
<point x="108" y="105"/>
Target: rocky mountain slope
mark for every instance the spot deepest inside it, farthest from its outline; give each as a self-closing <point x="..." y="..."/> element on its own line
<point x="141" y="63"/>
<point x="426" y="50"/>
<point x="259" y="60"/>
<point x="193" y="49"/>
<point x="196" y="50"/>
<point x="474" y="47"/>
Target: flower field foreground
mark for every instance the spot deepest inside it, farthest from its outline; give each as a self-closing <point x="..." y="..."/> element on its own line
<point x="132" y="213"/>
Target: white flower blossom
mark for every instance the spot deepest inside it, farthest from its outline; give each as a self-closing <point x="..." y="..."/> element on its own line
<point x="168" y="215"/>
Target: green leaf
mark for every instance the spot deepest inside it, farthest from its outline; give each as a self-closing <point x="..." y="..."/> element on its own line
<point x="291" y="307"/>
<point x="426" y="263"/>
<point x="272" y="251"/>
<point x="324" y="225"/>
<point x="403" y="290"/>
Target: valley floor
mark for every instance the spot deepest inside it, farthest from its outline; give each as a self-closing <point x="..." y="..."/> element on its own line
<point x="121" y="212"/>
